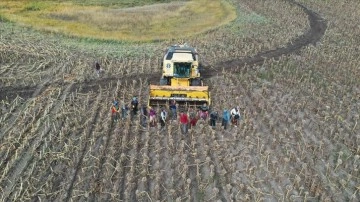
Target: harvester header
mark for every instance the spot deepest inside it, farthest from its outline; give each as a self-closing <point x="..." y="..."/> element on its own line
<point x="184" y="95"/>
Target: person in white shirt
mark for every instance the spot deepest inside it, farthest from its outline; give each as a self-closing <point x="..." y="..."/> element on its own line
<point x="163" y="115"/>
<point x="235" y="115"/>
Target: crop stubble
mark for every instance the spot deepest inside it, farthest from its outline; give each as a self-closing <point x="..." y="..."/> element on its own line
<point x="84" y="156"/>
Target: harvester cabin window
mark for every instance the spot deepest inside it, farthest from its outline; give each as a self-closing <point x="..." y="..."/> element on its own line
<point x="169" y="56"/>
<point x="182" y="69"/>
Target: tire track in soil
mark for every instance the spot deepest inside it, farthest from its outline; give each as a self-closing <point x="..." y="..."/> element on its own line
<point x="20" y="138"/>
<point x="10" y="92"/>
<point x="137" y="156"/>
<point x="45" y="176"/>
<point x="153" y="156"/>
<point x="167" y="171"/>
<point x="14" y="114"/>
<point x="27" y="128"/>
<point x="124" y="164"/>
<point x="97" y="150"/>
<point x="26" y="157"/>
<point x="112" y="130"/>
<point x="103" y="158"/>
<point x="125" y="161"/>
<point x="115" y="178"/>
<point x="145" y="156"/>
<point x="76" y="132"/>
<point x="214" y="158"/>
<point x="194" y="186"/>
<point x="91" y="127"/>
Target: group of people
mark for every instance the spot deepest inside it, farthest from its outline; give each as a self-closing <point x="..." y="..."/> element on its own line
<point x="124" y="110"/>
<point x="187" y="117"/>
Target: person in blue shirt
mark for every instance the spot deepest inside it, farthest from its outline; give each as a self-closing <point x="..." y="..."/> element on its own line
<point x="134" y="105"/>
<point x="173" y="109"/>
<point x="124" y="111"/>
<point x="115" y="102"/>
<point x="225" y="119"/>
<point x="213" y="118"/>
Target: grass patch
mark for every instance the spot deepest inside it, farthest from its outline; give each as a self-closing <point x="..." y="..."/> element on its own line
<point x="266" y="75"/>
<point x="117" y="3"/>
<point x="111" y="20"/>
<point x="35" y="6"/>
<point x="200" y="196"/>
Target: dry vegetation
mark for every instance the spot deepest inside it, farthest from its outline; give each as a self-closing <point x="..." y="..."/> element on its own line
<point x="141" y="23"/>
<point x="298" y="140"/>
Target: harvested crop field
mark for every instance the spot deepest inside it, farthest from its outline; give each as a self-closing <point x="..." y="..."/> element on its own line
<point x="292" y="67"/>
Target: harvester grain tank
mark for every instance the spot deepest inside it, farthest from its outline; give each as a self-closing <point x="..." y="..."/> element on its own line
<point x="181" y="80"/>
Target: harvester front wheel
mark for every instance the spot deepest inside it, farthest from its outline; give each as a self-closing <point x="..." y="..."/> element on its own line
<point x="196" y="82"/>
<point x="163" y="82"/>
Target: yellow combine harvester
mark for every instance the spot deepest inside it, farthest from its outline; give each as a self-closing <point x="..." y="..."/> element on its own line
<point x="180" y="79"/>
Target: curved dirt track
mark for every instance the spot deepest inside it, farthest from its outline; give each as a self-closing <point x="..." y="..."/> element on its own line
<point x="317" y="29"/>
<point x="312" y="36"/>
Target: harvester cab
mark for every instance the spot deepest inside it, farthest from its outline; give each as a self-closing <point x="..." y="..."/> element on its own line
<point x="180" y="80"/>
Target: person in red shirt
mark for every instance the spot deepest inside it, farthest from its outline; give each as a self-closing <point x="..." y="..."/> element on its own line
<point x="184" y="120"/>
<point x="115" y="113"/>
<point x="192" y="117"/>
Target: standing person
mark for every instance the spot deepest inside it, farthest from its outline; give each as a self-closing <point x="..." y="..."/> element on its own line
<point x="225" y="119"/>
<point x="144" y="114"/>
<point x="134" y="105"/>
<point x="193" y="117"/>
<point x="124" y="111"/>
<point x="213" y="118"/>
<point x="235" y="116"/>
<point x="97" y="68"/>
<point x="115" y="113"/>
<point x="173" y="109"/>
<point x="184" y="120"/>
<point x="152" y="116"/>
<point x="193" y="121"/>
<point x="115" y="102"/>
<point x="204" y="111"/>
<point x="163" y="116"/>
